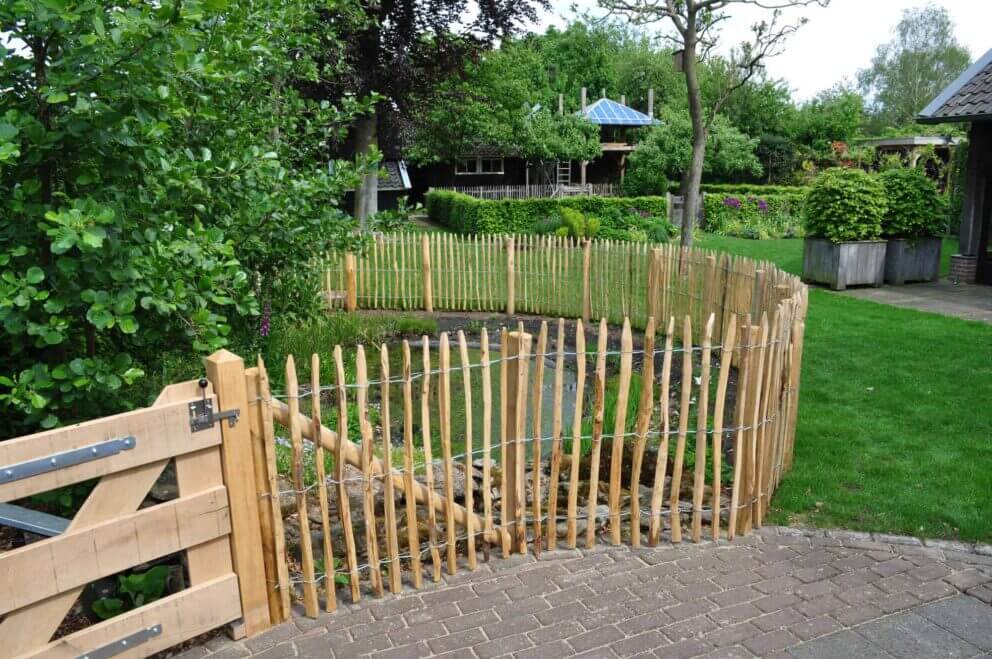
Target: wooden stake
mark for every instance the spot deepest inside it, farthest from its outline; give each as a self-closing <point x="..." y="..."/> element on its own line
<point x="413" y="534"/>
<point x="368" y="498"/>
<point x="599" y="398"/>
<point x="537" y="400"/>
<point x="306" y="546"/>
<point x="676" y="521"/>
<point x="576" y="455"/>
<point x="425" y="422"/>
<point x="470" y="530"/>
<point x="619" y="429"/>
<point x="331" y="600"/>
<point x="726" y="357"/>
<point x="514" y="495"/>
<point x="661" y="465"/>
<point x="344" y="504"/>
<point x="699" y="478"/>
<point x="389" y="492"/>
<point x="556" y="438"/>
<point x="645" y="408"/>
<point x="487" y="432"/>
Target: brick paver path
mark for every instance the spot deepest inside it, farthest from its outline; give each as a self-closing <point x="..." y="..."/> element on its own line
<point x="779" y="592"/>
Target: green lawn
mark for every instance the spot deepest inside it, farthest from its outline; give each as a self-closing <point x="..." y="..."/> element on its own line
<point x="895" y="423"/>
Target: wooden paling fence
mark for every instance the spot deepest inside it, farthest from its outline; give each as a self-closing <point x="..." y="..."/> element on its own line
<point x="532" y="191"/>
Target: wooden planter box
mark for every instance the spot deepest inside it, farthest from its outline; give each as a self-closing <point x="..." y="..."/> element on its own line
<point x="844" y="264"/>
<point x="912" y="260"/>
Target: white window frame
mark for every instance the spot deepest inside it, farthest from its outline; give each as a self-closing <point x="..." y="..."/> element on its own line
<point x="475" y="163"/>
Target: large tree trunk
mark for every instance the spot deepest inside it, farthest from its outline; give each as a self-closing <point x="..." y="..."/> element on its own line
<point x="694" y="175"/>
<point x="367" y="195"/>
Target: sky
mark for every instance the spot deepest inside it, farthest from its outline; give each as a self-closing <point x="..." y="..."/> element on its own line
<point x="837" y="41"/>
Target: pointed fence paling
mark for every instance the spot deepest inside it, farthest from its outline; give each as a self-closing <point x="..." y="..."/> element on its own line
<point x="676" y="425"/>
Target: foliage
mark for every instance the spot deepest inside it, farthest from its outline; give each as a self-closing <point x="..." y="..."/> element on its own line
<point x="576" y="225"/>
<point x="845" y="205"/>
<point x="833" y="116"/>
<point x="394" y="219"/>
<point x="956" y="186"/>
<point x="617" y="216"/>
<point x="135" y="590"/>
<point x="665" y="151"/>
<point x="915" y="208"/>
<point x="754" y="216"/>
<point x="159" y="169"/>
<point x="909" y="71"/>
<point x="548" y="136"/>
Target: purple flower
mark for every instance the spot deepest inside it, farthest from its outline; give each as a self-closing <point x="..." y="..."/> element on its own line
<point x="264" y="326"/>
<point x="732" y="202"/>
<point x="763" y="205"/>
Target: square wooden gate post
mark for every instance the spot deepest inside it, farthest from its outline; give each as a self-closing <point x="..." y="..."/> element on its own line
<point x="226" y="371"/>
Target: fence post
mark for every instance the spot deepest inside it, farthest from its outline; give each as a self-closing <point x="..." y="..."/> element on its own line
<point x="425" y="257"/>
<point x="511" y="301"/>
<point x="227" y="373"/>
<point x="515" y="497"/>
<point x="586" y="293"/>
<point x="654" y="284"/>
<point x="350" y="283"/>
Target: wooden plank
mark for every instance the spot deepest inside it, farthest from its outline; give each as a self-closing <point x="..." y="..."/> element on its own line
<point x="413" y="538"/>
<point x="470" y="530"/>
<point x="556" y="443"/>
<point x="677" y="465"/>
<point x="227" y="374"/>
<point x="368" y="496"/>
<point x="425" y="423"/>
<point x="444" y="406"/>
<point x="645" y="409"/>
<point x="302" y="510"/>
<point x="537" y="401"/>
<point x="726" y="357"/>
<point x="514" y="494"/>
<point x="510" y="276"/>
<point x="344" y="503"/>
<point x="66" y="562"/>
<point x="661" y="465"/>
<point x="487" y="432"/>
<point x="599" y="398"/>
<point x="281" y="612"/>
<point x="620" y="429"/>
<point x="160" y="432"/>
<point x="576" y="454"/>
<point x="330" y="597"/>
<point x="702" y="423"/>
<point x="184" y="615"/>
<point x="389" y="492"/>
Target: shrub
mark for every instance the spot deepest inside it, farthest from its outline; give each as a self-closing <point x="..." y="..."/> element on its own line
<point x="754" y="215"/>
<point x="576" y="225"/>
<point x="617" y="216"/>
<point x="915" y="208"/>
<point x="845" y="205"/>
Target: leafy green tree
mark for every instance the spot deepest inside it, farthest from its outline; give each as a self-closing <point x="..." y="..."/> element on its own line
<point x="159" y="170"/>
<point x="665" y="151"/>
<point x="909" y="71"/>
<point x="834" y="115"/>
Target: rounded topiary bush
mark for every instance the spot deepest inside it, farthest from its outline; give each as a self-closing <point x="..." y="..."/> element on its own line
<point x="845" y="205"/>
<point x="915" y="208"/>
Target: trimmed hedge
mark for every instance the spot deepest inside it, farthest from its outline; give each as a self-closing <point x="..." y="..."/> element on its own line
<point x="916" y="209"/>
<point x="758" y="216"/>
<point x="845" y="205"/>
<point x="743" y="189"/>
<point x="618" y="216"/>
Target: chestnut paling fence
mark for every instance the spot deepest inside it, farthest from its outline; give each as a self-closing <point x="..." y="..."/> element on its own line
<point x="408" y="460"/>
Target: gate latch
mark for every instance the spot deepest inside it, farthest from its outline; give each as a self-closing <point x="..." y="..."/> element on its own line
<point x="202" y="415"/>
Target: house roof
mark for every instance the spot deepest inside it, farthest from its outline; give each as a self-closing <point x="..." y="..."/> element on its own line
<point x="969" y="98"/>
<point x="607" y="112"/>
<point x="396" y="176"/>
<point x="913" y="140"/>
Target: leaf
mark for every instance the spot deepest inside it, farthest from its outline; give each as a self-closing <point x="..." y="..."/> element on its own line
<point x="163" y="91"/>
<point x="98" y="26"/>
<point x="128" y="324"/>
<point x="7" y="131"/>
<point x="57" y="97"/>
<point x="35" y="275"/>
<point x="93" y="236"/>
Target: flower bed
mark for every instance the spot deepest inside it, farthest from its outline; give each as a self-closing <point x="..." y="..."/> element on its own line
<point x="757" y="216"/>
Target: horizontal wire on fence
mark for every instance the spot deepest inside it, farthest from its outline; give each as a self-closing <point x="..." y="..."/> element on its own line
<point x="443" y="543"/>
<point x="380" y="475"/>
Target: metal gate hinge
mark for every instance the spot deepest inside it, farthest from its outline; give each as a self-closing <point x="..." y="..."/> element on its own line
<point x="202" y="415"/>
<point x="123" y="645"/>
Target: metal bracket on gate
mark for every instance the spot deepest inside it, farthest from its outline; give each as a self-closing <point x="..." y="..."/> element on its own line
<point x="16" y="472"/>
<point x="202" y="415"/>
<point x="124" y="644"/>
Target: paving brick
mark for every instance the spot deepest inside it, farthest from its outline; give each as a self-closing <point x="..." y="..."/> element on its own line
<point x="909" y="635"/>
<point x="572" y="611"/>
<point x="815" y="628"/>
<point x="689" y="610"/>
<point x="502" y="646"/>
<point x="522" y="608"/>
<point x="964" y="616"/>
<point x="595" y="638"/>
<point x="692" y="647"/>
<point x="432" y="614"/>
<point x="421" y="632"/>
<point x="553" y="650"/>
<point x="573" y="594"/>
<point x="967" y="579"/>
<point x="477" y="619"/>
<point x="465" y="639"/>
<point x="413" y="651"/>
<point x="646" y="622"/>
<point x="734" y="614"/>
<point x="511" y="626"/>
<point x="734" y="596"/>
<point x="820" y="605"/>
<point x="857" y="614"/>
<point x="771" y="603"/>
<point x="897" y="602"/>
<point x="643" y="642"/>
<point x="561" y="630"/>
<point x="733" y="634"/>
<point x="691" y="628"/>
<point x="284" y="650"/>
<point x="841" y="644"/>
<point x="779" y="620"/>
<point x="770" y="642"/>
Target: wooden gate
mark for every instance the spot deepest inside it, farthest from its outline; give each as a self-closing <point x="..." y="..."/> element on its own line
<point x="213" y="519"/>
